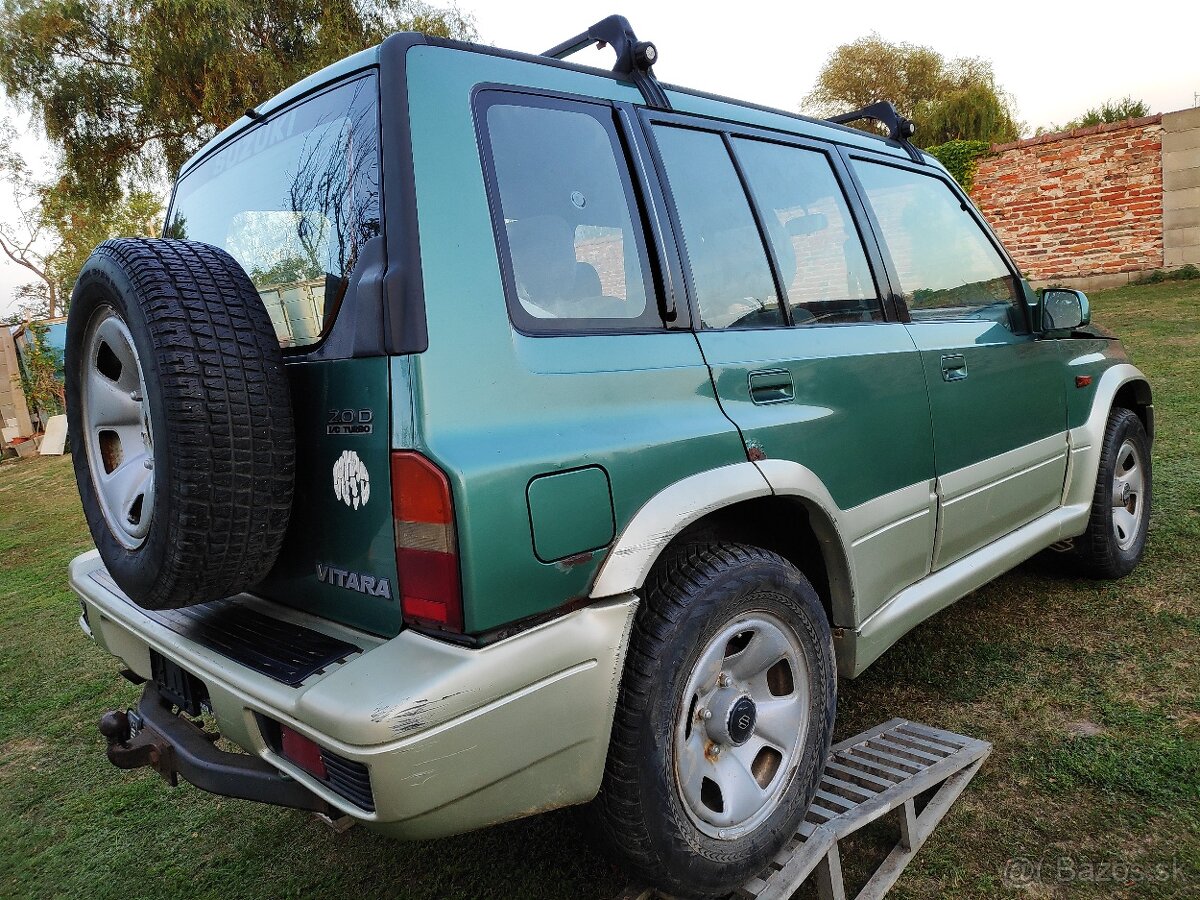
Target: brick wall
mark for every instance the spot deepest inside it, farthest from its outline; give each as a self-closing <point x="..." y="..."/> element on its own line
<point x="1084" y="206"/>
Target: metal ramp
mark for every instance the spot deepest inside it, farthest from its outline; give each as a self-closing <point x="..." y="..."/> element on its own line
<point x="866" y="777"/>
<point x="875" y="773"/>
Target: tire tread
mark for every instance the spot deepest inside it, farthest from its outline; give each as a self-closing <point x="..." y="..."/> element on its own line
<point x="229" y="426"/>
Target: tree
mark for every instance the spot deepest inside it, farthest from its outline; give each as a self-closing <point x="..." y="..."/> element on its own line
<point x="41" y="374"/>
<point x="131" y="88"/>
<point x="1112" y="111"/>
<point x="1106" y="112"/>
<point x="50" y="229"/>
<point x="23" y="235"/>
<point x="961" y="159"/>
<point x="949" y="99"/>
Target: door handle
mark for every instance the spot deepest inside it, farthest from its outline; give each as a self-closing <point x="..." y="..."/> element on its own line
<point x="772" y="386"/>
<point x="954" y="367"/>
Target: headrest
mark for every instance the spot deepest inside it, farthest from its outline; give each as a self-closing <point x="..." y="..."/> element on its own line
<point x="543" y="257"/>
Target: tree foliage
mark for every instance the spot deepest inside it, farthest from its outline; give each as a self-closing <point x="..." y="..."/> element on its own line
<point x="1107" y="112"/>
<point x="51" y="228"/>
<point x="961" y="159"/>
<point x="1112" y="111"/>
<point x="949" y="99"/>
<point x="41" y="374"/>
<point x="129" y="89"/>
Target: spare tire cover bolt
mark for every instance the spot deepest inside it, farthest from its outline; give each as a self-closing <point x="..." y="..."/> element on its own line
<point x="705" y="714"/>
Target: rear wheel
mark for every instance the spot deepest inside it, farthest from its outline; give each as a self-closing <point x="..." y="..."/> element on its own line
<point x="1115" y="540"/>
<point x="724" y="719"/>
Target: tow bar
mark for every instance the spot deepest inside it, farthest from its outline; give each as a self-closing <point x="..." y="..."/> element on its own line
<point x="153" y="735"/>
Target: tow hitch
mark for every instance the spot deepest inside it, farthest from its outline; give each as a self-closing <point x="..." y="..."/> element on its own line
<point x="153" y="735"/>
<point x="131" y="745"/>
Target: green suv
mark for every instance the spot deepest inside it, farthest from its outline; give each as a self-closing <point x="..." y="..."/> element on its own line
<point x="489" y="434"/>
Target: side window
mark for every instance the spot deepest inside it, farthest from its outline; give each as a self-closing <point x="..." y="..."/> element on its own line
<point x="574" y="257"/>
<point x="819" y="251"/>
<point x="293" y="200"/>
<point x="731" y="276"/>
<point x="948" y="268"/>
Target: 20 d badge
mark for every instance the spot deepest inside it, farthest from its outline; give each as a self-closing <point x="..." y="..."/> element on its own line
<point x="350" y="421"/>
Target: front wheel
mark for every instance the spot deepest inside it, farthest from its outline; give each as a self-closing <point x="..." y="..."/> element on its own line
<point x="1115" y="539"/>
<point x="724" y="719"/>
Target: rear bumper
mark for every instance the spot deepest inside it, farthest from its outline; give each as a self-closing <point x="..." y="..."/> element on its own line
<point x="453" y="738"/>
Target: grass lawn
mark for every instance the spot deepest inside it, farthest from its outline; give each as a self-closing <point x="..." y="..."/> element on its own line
<point x="1089" y="692"/>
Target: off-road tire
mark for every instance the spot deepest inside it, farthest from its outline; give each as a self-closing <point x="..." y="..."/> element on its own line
<point x="1097" y="552"/>
<point x="219" y="411"/>
<point x="639" y="814"/>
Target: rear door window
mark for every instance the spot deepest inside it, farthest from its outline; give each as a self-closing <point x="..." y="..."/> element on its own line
<point x="822" y="265"/>
<point x="572" y="251"/>
<point x="292" y="200"/>
<point x="731" y="277"/>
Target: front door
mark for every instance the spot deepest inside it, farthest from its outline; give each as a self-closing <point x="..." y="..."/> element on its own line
<point x="997" y="394"/>
<point x="793" y="326"/>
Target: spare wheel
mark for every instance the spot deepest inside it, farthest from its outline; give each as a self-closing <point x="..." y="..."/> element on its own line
<point x="181" y="420"/>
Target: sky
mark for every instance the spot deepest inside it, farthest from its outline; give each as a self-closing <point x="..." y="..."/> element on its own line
<point x="1055" y="58"/>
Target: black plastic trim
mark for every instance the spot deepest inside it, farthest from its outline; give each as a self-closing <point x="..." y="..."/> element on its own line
<point x="283" y="651"/>
<point x="404" y="326"/>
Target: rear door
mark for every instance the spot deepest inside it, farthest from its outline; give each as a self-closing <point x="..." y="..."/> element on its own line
<point x="997" y="394"/>
<point x="791" y="319"/>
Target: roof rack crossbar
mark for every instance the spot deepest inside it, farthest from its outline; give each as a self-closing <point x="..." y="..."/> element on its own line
<point x="635" y="58"/>
<point x="899" y="128"/>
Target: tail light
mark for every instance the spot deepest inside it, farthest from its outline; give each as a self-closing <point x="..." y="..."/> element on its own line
<point x="426" y="550"/>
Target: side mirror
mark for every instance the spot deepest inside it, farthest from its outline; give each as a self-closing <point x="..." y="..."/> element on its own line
<point x="1063" y="310"/>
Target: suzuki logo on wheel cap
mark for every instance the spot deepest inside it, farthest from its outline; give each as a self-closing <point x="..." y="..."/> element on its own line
<point x="741" y="720"/>
<point x="351" y="483"/>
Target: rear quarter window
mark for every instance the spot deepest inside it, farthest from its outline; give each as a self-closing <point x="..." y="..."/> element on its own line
<point x="571" y="247"/>
<point x="293" y="200"/>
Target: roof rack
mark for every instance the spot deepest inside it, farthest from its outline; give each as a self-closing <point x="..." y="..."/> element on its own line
<point x="634" y="58"/>
<point x="899" y="128"/>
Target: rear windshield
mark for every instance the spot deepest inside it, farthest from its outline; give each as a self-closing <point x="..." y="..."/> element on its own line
<point x="293" y="200"/>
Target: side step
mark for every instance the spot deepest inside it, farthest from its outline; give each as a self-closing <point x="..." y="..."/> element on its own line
<point x="866" y="777"/>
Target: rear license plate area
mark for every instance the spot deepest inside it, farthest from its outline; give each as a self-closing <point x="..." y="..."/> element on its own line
<point x="182" y="688"/>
